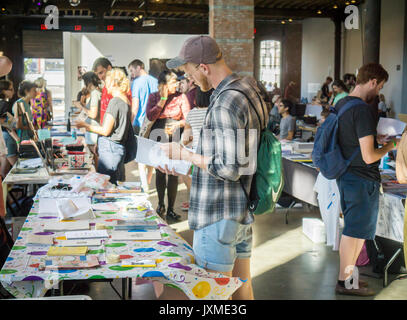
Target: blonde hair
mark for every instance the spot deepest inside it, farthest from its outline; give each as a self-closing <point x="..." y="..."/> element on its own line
<point x="40" y="83"/>
<point x="116" y="80"/>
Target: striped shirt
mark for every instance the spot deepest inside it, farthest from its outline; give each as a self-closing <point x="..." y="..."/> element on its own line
<point x="195" y="119"/>
<point x="216" y="193"/>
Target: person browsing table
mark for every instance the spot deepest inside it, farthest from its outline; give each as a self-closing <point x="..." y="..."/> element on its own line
<point x="114" y="131"/>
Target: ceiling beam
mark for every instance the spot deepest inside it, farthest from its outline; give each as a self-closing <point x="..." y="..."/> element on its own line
<point x="100" y="8"/>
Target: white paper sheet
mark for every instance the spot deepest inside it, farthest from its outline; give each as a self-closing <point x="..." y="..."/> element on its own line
<point x="91" y="234"/>
<point x="62" y="226"/>
<point x="49" y="205"/>
<point x="390" y="127"/>
<point x="68" y="209"/>
<point x="79" y="243"/>
<point x="150" y="153"/>
<point x="125" y="235"/>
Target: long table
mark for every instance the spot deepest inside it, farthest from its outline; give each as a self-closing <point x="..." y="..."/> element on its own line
<point x="174" y="258"/>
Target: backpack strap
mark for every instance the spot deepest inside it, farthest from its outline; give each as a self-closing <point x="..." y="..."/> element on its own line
<point x="349" y="105"/>
<point x="253" y="191"/>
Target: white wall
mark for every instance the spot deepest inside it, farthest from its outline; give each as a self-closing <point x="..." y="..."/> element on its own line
<point x="82" y="49"/>
<point x="318" y="54"/>
<point x="392" y="49"/>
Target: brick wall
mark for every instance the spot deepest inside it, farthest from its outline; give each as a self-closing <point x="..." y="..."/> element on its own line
<point x="290" y="36"/>
<point x="231" y="23"/>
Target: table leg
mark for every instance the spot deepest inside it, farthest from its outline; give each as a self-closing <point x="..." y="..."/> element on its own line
<point x="124" y="289"/>
<point x="130" y="287"/>
<point x="395" y="255"/>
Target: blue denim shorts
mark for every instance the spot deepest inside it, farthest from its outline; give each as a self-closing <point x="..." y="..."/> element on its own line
<point x="360" y="205"/>
<point x="217" y="246"/>
<point x="111" y="159"/>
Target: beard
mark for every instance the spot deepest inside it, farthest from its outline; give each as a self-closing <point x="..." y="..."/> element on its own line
<point x="203" y="83"/>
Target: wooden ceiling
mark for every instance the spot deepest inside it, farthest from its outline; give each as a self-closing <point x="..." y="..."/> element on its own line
<point x="173" y="9"/>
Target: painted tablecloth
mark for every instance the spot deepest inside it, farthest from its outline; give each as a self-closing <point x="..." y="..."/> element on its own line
<point x="174" y="258"/>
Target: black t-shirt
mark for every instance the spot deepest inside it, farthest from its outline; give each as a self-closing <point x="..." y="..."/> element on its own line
<point x="356" y="123"/>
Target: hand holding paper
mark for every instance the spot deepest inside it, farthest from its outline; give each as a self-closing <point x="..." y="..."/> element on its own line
<point x="155" y="154"/>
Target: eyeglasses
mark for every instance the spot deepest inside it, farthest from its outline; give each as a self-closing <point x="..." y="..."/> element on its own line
<point x="186" y="75"/>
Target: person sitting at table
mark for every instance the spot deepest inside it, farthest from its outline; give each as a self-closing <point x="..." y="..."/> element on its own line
<point x="116" y="124"/>
<point x="340" y="91"/>
<point x="26" y="91"/>
<point x="91" y="109"/>
<point x="287" y="123"/>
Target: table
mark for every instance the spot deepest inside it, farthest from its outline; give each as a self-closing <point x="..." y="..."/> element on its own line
<point x="174" y="258"/>
<point x="299" y="181"/>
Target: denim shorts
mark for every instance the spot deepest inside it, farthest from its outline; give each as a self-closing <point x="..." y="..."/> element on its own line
<point x="11" y="144"/>
<point x="91" y="138"/>
<point x="111" y="159"/>
<point x="217" y="246"/>
<point x="360" y="205"/>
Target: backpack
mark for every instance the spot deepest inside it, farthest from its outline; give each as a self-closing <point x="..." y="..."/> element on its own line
<point x="327" y="154"/>
<point x="268" y="182"/>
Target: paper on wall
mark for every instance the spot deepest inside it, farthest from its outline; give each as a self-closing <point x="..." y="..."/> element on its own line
<point x="150" y="153"/>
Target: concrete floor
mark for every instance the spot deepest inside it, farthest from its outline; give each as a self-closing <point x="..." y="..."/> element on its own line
<point x="285" y="264"/>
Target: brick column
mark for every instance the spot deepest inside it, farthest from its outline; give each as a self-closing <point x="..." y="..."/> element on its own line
<point x="231" y="23"/>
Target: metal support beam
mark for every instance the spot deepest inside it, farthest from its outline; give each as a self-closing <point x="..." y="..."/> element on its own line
<point x="338" y="47"/>
<point x="372" y="32"/>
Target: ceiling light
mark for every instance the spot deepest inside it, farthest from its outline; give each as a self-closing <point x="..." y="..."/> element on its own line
<point x="135" y="19"/>
<point x="140" y="16"/>
<point x="319" y="12"/>
<point x="335" y="7"/>
<point x="291" y="20"/>
<point x="74" y="3"/>
<point x="148" y="23"/>
<point x="283" y="22"/>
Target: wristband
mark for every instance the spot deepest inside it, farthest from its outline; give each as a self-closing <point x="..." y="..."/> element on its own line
<point x="164" y="98"/>
<point x="394" y="144"/>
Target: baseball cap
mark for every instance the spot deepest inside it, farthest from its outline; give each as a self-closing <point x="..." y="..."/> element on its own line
<point x="197" y="49"/>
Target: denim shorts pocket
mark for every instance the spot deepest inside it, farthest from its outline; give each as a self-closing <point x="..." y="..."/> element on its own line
<point x="227" y="231"/>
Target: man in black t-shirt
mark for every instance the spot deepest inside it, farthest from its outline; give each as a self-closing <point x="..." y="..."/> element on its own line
<point x="325" y="89"/>
<point x="359" y="186"/>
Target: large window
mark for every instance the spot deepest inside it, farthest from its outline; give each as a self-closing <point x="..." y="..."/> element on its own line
<point x="270" y="61"/>
<point x="52" y="70"/>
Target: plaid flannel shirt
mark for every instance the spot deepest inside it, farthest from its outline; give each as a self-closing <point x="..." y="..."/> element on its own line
<point x="216" y="193"/>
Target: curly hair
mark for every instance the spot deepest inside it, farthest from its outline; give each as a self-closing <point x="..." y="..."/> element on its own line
<point x="116" y="80"/>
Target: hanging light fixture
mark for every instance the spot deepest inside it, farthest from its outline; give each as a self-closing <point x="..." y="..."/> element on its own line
<point x="74" y="3"/>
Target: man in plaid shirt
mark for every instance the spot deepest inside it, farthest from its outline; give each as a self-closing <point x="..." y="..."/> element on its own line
<point x="227" y="152"/>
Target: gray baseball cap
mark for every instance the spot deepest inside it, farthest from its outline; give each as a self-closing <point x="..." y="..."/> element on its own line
<point x="197" y="49"/>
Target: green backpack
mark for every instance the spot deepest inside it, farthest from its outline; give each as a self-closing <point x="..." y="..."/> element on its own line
<point x="268" y="182"/>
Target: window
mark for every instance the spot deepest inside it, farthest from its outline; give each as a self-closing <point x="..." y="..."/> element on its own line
<point x="270" y="61"/>
<point x="52" y="70"/>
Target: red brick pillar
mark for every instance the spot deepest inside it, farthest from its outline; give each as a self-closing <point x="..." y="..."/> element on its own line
<point x="231" y="23"/>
